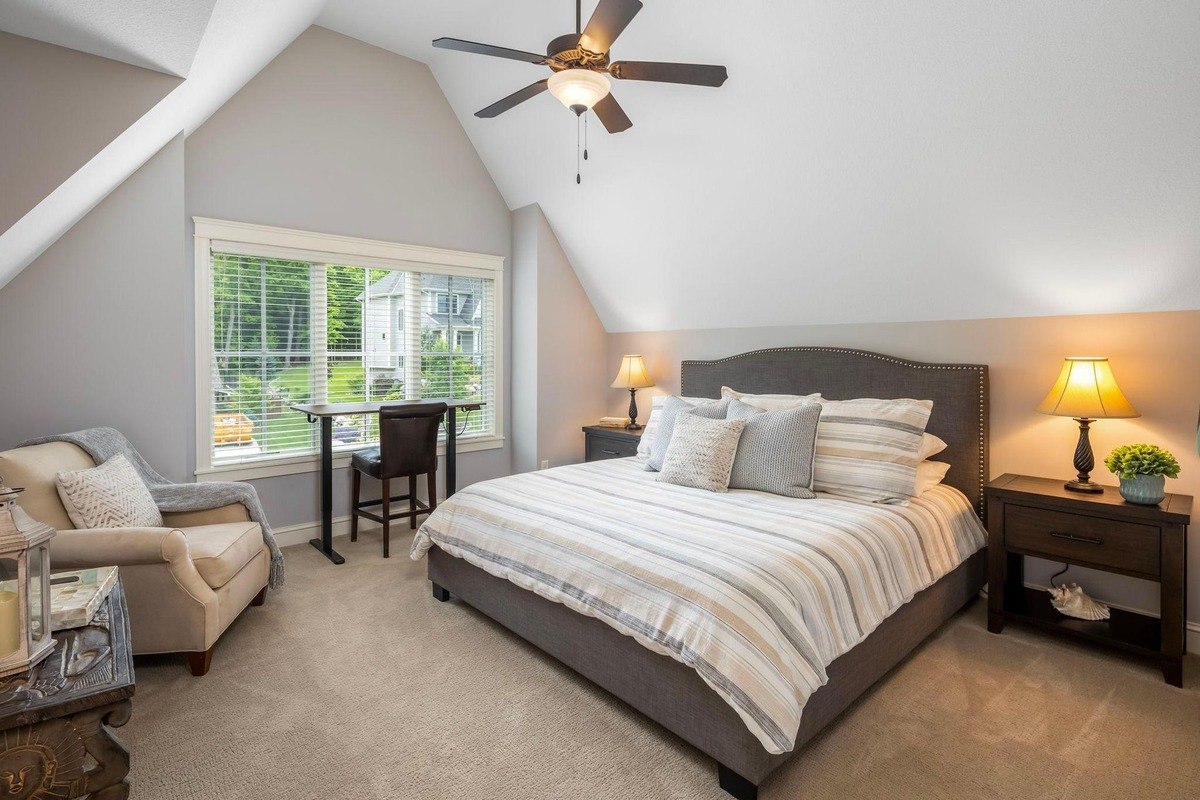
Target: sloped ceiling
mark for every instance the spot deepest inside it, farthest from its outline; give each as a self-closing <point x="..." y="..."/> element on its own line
<point x="241" y="38"/>
<point x="866" y="160"/>
<point x="158" y="35"/>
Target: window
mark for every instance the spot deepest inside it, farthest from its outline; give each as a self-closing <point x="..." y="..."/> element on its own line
<point x="281" y="325"/>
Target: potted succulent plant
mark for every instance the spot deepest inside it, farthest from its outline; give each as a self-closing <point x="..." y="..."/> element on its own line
<point x="1143" y="470"/>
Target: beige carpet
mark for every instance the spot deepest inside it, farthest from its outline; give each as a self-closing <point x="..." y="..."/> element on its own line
<point x="354" y="683"/>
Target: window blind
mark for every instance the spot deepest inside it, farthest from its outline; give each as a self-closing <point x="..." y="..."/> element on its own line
<point x="287" y="332"/>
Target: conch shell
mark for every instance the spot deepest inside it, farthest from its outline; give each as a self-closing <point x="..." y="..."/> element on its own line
<point x="1070" y="600"/>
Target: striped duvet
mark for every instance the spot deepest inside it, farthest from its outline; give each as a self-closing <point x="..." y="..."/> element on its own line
<point x="758" y="593"/>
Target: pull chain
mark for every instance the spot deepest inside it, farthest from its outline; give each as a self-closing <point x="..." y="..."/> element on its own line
<point x="585" y="131"/>
<point x="578" y="177"/>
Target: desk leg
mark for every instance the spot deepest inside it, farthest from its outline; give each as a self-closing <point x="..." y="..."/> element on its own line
<point x="325" y="543"/>
<point x="451" y="451"/>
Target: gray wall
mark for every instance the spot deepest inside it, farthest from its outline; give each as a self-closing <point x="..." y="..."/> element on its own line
<point x="58" y="108"/>
<point x="559" y="349"/>
<point x="95" y="331"/>
<point x="1154" y="357"/>
<point x="341" y="137"/>
<point x="525" y="337"/>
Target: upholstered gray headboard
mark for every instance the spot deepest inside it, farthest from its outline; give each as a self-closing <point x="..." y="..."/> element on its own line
<point x="959" y="393"/>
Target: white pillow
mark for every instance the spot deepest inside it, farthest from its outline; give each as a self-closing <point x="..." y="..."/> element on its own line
<point x="111" y="495"/>
<point x="650" y="432"/>
<point x="929" y="475"/>
<point x="769" y="402"/>
<point x="930" y="447"/>
<point x="867" y="448"/>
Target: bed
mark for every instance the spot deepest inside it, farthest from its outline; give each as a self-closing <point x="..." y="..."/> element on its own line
<point x="811" y="601"/>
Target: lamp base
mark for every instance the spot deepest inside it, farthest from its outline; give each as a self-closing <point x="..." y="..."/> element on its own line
<point x="1084" y="486"/>
<point x="633" y="426"/>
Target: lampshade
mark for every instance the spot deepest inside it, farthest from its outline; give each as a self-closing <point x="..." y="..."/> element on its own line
<point x="1086" y="388"/>
<point x="632" y="374"/>
<point x="579" y="89"/>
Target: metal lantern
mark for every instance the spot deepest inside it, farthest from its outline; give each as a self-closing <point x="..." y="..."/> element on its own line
<point x="24" y="586"/>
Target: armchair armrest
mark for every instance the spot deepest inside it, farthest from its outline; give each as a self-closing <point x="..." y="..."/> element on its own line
<point x="102" y="547"/>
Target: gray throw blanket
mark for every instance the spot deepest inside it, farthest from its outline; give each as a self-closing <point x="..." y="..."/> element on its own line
<point x="104" y="443"/>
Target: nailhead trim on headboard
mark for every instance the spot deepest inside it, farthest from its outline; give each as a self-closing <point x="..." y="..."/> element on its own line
<point x="979" y="369"/>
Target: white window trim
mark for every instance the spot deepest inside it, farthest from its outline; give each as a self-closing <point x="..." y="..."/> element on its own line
<point x="268" y="241"/>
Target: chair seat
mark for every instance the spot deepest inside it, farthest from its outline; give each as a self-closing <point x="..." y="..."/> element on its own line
<point x="367" y="461"/>
<point x="220" y="551"/>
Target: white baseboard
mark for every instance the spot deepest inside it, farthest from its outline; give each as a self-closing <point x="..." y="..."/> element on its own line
<point x="301" y="533"/>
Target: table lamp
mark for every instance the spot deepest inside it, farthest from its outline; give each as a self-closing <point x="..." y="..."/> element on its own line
<point x="1087" y="391"/>
<point x="632" y="376"/>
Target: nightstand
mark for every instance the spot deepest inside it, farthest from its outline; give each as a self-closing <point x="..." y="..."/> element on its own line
<point x="1038" y="517"/>
<point x="602" y="443"/>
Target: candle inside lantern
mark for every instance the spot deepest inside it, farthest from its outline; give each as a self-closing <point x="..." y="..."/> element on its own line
<point x="10" y="623"/>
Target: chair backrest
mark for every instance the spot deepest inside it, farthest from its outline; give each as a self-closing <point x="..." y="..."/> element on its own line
<point x="408" y="438"/>
<point x="34" y="468"/>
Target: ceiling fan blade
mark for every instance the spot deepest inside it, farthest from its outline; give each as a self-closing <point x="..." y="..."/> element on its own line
<point x="607" y="22"/>
<point x="612" y="115"/>
<point x="664" y="72"/>
<point x="446" y="43"/>
<point x="516" y="98"/>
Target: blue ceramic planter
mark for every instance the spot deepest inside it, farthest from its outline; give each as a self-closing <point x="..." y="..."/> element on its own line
<point x="1145" y="490"/>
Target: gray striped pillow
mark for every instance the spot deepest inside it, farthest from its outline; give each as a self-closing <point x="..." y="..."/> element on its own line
<point x="776" y="450"/>
<point x="867" y="449"/>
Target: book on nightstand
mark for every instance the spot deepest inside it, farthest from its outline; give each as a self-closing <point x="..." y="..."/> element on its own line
<point x="613" y="422"/>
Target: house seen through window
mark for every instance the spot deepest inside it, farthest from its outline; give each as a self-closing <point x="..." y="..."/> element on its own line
<point x="286" y="332"/>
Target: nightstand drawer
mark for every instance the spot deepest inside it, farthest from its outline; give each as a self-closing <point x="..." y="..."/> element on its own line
<point x="599" y="448"/>
<point x="1124" y="546"/>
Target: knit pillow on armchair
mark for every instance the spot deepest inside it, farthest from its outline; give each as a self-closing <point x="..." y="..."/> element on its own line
<point x="111" y="495"/>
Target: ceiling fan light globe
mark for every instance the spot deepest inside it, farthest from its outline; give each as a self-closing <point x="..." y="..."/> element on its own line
<point x="579" y="87"/>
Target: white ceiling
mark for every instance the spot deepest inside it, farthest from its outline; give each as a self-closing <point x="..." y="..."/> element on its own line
<point x="161" y="35"/>
<point x="866" y="160"/>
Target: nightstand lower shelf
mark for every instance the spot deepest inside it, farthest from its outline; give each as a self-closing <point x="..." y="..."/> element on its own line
<point x="1127" y="630"/>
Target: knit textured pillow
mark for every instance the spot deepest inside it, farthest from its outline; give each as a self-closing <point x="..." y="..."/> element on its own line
<point x="111" y="495"/>
<point x="701" y="452"/>
<point x="775" y="453"/>
<point x="671" y="408"/>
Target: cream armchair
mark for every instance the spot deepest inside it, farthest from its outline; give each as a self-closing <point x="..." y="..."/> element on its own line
<point x="185" y="583"/>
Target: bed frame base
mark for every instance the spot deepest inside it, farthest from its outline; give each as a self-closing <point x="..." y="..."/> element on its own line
<point x="735" y="784"/>
<point x="674" y="695"/>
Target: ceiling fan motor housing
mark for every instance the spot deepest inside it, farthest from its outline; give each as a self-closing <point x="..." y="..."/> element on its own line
<point x="565" y="52"/>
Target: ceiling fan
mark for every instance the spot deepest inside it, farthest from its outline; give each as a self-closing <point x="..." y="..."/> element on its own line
<point x="582" y="68"/>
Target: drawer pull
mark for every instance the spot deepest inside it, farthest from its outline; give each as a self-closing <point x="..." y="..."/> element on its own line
<point x="610" y="452"/>
<point x="1075" y="538"/>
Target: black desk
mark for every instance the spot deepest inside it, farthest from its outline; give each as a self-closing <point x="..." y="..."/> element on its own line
<point x="325" y="412"/>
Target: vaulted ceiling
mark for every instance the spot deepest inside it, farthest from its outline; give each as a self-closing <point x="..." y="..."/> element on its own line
<point x="162" y="36"/>
<point x="238" y="38"/>
<point x="866" y="160"/>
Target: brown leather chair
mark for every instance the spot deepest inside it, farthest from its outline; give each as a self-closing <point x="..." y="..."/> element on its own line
<point x="407" y="448"/>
